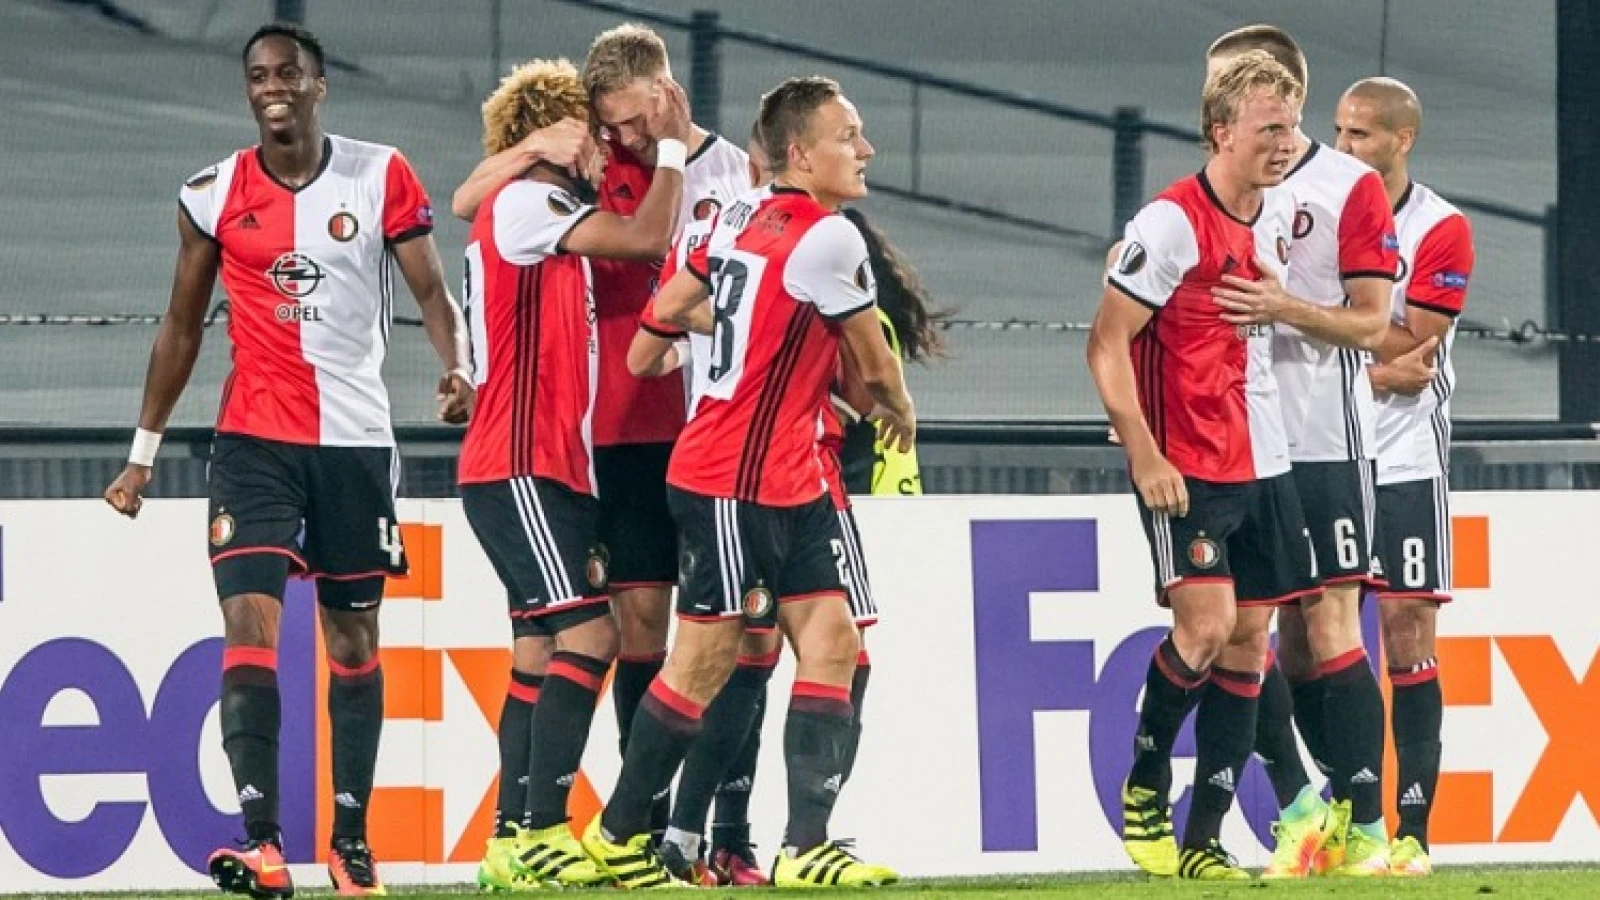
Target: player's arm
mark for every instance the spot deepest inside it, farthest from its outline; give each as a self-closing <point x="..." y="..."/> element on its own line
<point x="1119" y="319"/>
<point x="1361" y="324"/>
<point x="557" y="144"/>
<point x="171" y="360"/>
<point x="647" y="234"/>
<point x="1435" y="295"/>
<point x="883" y="378"/>
<point x="657" y="348"/>
<point x="682" y="301"/>
<point x="442" y="319"/>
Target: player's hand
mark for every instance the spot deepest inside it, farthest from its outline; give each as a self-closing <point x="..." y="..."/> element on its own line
<point x="1160" y="485"/>
<point x="897" y="431"/>
<point x="669" y="116"/>
<point x="126" y="494"/>
<point x="1246" y="302"/>
<point x="560" y="144"/>
<point x="1410" y="373"/>
<point x="456" y="398"/>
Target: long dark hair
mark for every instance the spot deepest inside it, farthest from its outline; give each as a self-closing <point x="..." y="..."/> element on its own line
<point x="901" y="296"/>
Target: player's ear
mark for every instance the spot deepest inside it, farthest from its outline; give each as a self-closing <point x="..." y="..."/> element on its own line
<point x="322" y="88"/>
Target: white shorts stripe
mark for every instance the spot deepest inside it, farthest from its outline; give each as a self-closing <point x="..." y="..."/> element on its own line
<point x="727" y="525"/>
<point x="1161" y="532"/>
<point x="1444" y="557"/>
<point x="542" y="542"/>
<point x="862" y="603"/>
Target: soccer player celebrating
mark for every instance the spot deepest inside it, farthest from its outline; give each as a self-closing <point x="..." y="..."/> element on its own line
<point x="636" y="420"/>
<point x="1342" y="263"/>
<point x="1378" y="121"/>
<point x="1194" y="400"/>
<point x="302" y="228"/>
<point x="527" y="462"/>
<point x="762" y="545"/>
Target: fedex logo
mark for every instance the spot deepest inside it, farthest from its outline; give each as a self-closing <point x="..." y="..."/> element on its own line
<point x="156" y="729"/>
<point x="1018" y="676"/>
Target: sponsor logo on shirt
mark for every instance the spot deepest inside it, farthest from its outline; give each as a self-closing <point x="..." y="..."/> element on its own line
<point x="1391" y="242"/>
<point x="1456" y="280"/>
<point x="1132" y="259"/>
<point x="295" y="275"/>
<point x="201" y="179"/>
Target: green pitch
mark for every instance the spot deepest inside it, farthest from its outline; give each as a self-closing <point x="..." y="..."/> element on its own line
<point x="1544" y="883"/>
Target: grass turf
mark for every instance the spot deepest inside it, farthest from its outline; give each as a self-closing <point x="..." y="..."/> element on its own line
<point x="1541" y="883"/>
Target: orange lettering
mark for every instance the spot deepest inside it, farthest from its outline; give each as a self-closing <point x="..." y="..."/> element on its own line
<point x="1565" y="707"/>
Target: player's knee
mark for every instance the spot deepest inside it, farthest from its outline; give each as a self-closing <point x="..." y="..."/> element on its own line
<point x="828" y="646"/>
<point x="530" y="653"/>
<point x="1201" y="638"/>
<point x="643" y="616"/>
<point x="1407" y="633"/>
<point x="760" y="643"/>
<point x="251" y="620"/>
<point x="596" y="638"/>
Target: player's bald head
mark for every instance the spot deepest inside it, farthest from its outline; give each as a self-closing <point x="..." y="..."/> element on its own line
<point x="1393" y="103"/>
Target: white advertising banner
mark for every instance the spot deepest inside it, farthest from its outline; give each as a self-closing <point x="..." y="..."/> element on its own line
<point x="999" y="723"/>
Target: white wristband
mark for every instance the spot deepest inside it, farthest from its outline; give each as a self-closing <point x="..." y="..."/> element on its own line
<point x="145" y="444"/>
<point x="464" y="373"/>
<point x="671" y="154"/>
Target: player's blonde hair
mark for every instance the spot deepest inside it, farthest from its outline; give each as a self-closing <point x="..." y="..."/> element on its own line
<point x="536" y="94"/>
<point x="621" y="56"/>
<point x="1245" y="74"/>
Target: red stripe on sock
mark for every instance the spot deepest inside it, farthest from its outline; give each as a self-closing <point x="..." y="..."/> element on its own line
<point x="527" y="693"/>
<point x="366" y="668"/>
<point x="675" y="701"/>
<point x="641" y="657"/>
<point x="820" y="691"/>
<point x="765" y="661"/>
<point x="1174" y="677"/>
<point x="560" y="668"/>
<point x="1239" y="684"/>
<point x="1341" y="662"/>
<point x="260" y="657"/>
<point x="1407" y="678"/>
<point x="862" y="659"/>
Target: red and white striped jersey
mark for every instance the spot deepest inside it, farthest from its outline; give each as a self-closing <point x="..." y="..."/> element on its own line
<point x="535" y="352"/>
<point x="1435" y="263"/>
<point x="783" y="271"/>
<point x="1206" y="388"/>
<point x="650" y="410"/>
<point x="310" y="284"/>
<point x="1342" y="229"/>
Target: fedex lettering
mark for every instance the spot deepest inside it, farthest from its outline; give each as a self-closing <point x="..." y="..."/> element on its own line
<point x="162" y="745"/>
<point x="1018" y="676"/>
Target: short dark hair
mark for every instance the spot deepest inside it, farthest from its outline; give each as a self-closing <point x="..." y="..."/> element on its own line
<point x="786" y="112"/>
<point x="1277" y="42"/>
<point x="303" y="38"/>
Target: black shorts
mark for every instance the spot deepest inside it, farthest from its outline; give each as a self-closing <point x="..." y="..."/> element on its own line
<point x="540" y="536"/>
<point x="1413" y="540"/>
<point x="1340" y="503"/>
<point x="743" y="559"/>
<point x="278" y="509"/>
<point x="1251" y="534"/>
<point x="863" y="608"/>
<point x="634" y="520"/>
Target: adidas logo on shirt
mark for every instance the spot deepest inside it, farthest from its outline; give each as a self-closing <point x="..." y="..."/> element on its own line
<point x="1413" y="796"/>
<point x="248" y="793"/>
<point x="1364" y="776"/>
<point x="249" y="222"/>
<point x="1223" y="779"/>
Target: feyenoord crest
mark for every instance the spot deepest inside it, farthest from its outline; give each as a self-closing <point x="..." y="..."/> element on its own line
<point x="1132" y="259"/>
<point x="1302" y="223"/>
<point x="597" y="569"/>
<point x="221" y="530"/>
<point x="757" y="602"/>
<point x="1204" y="553"/>
<point x="706" y="208"/>
<point x="343" y="226"/>
<point x="1283" y="250"/>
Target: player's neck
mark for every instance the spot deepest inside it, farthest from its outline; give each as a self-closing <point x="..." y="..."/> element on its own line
<point x="1237" y="196"/>
<point x="831" y="204"/>
<point x="697" y="139"/>
<point x="293" y="160"/>
<point x="1302" y="146"/>
<point x="1396" y="183"/>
